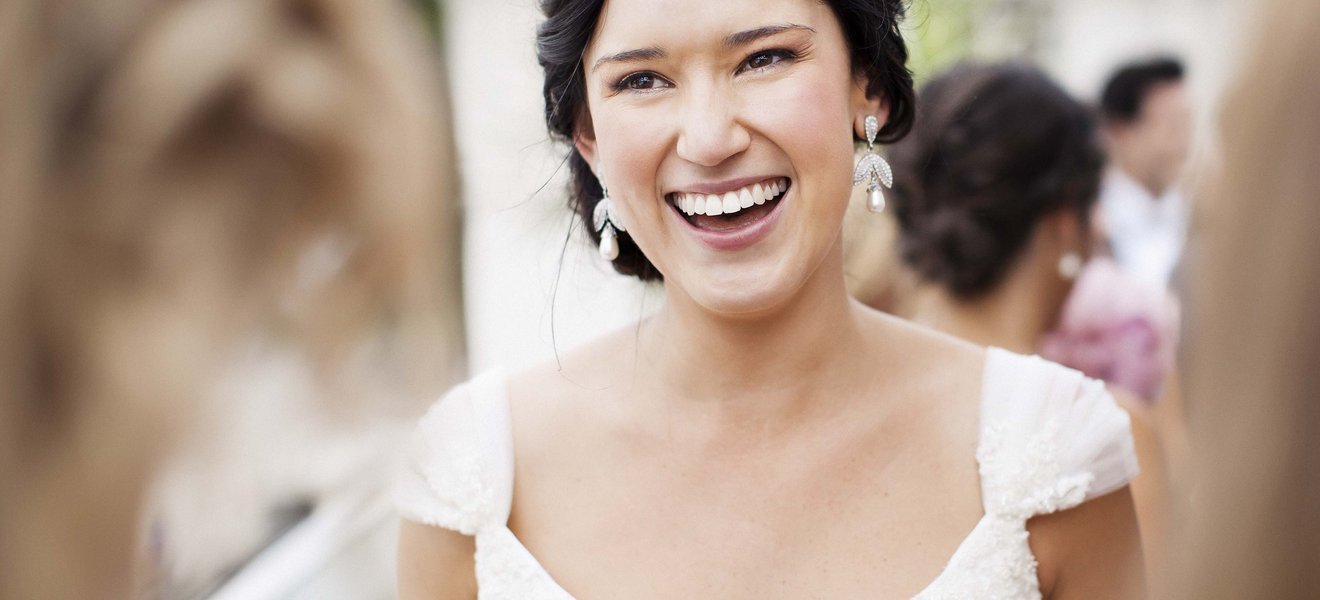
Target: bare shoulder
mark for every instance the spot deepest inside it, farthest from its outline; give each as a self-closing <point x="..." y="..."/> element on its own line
<point x="928" y="357"/>
<point x="595" y="370"/>
<point x="936" y="383"/>
<point x="1090" y="551"/>
<point x="560" y="407"/>
<point x="593" y="365"/>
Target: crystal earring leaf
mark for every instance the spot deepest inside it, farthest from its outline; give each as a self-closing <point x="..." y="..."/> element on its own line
<point x="873" y="169"/>
<point x="605" y="221"/>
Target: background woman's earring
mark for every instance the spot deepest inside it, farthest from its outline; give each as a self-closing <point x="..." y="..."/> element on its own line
<point x="1070" y="266"/>
<point x="605" y="220"/>
<point x="873" y="169"/>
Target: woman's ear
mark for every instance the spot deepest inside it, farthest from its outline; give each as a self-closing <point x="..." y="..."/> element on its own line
<point x="1069" y="230"/>
<point x="865" y="104"/>
<point x="585" y="140"/>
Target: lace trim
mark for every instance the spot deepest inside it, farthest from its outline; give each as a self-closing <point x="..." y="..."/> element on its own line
<point x="1021" y="478"/>
<point x="1029" y="481"/>
<point x="466" y="504"/>
<point x="994" y="563"/>
<point x="507" y="571"/>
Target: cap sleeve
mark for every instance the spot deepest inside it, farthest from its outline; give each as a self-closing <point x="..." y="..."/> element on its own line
<point x="458" y="473"/>
<point x="1050" y="437"/>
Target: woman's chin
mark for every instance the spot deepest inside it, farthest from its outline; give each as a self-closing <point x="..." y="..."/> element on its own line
<point x="742" y="296"/>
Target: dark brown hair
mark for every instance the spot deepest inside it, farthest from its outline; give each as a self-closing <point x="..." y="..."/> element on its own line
<point x="869" y="26"/>
<point x="995" y="149"/>
<point x="1127" y="89"/>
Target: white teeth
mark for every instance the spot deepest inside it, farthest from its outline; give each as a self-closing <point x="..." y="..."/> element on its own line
<point x="714" y="206"/>
<point x="731" y="204"/>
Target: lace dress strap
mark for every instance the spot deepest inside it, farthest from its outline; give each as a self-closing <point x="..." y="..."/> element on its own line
<point x="1050" y="438"/>
<point x="459" y="470"/>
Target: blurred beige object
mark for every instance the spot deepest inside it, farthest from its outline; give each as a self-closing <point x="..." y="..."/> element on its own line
<point x="1254" y="527"/>
<point x="874" y="273"/>
<point x="166" y="170"/>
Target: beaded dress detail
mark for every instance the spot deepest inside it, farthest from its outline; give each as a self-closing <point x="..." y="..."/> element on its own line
<point x="1050" y="439"/>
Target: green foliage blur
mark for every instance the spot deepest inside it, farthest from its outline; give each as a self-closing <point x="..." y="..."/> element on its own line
<point x="939" y="33"/>
<point x="431" y="14"/>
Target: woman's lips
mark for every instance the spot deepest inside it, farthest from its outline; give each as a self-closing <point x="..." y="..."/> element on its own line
<point x="739" y="228"/>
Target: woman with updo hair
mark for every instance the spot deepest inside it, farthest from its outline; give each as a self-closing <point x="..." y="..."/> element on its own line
<point x="993" y="191"/>
<point x="762" y="435"/>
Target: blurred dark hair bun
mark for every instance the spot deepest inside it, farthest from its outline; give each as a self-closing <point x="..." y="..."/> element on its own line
<point x="994" y="149"/>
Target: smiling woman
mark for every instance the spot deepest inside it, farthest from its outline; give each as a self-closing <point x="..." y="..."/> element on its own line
<point x="871" y="29"/>
<point x="762" y="435"/>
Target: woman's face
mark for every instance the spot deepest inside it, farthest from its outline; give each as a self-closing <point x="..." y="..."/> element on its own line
<point x="724" y="132"/>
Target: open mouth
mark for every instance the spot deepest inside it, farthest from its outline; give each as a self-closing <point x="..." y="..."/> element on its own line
<point x="732" y="210"/>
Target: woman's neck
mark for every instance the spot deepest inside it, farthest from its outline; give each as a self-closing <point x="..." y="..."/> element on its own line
<point x="758" y="366"/>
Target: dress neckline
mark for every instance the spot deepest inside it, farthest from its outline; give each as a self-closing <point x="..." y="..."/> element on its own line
<point x="987" y="363"/>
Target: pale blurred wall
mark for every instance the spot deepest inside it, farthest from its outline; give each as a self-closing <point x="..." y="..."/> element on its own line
<point x="515" y="234"/>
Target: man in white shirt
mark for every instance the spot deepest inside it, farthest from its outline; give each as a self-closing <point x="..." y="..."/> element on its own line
<point x="1147" y="120"/>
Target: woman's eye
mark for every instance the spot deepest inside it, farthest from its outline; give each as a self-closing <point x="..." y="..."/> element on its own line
<point x="641" y="82"/>
<point x="761" y="60"/>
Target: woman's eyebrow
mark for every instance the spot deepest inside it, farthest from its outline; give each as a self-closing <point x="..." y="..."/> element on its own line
<point x="742" y="38"/>
<point x="733" y="40"/>
<point x="638" y="55"/>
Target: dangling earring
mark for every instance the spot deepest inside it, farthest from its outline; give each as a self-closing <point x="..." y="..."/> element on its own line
<point x="1070" y="266"/>
<point x="873" y="169"/>
<point x="605" y="221"/>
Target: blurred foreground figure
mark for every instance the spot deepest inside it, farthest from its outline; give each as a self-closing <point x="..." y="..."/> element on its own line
<point x="1147" y="120"/>
<point x="1252" y="379"/>
<point x="177" y="178"/>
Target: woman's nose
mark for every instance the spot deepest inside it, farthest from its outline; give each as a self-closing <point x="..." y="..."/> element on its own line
<point x="711" y="132"/>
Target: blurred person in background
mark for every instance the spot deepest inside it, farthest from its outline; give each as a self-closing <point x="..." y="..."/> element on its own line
<point x="1147" y="122"/>
<point x="762" y="434"/>
<point x="1252" y="374"/>
<point x="166" y="170"/>
<point x="993" y="193"/>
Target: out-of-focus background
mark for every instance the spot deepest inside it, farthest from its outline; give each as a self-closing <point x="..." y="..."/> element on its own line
<point x="274" y="495"/>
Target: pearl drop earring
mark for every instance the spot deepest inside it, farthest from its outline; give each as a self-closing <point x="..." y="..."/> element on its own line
<point x="873" y="169"/>
<point x="1070" y="266"/>
<point x="605" y="221"/>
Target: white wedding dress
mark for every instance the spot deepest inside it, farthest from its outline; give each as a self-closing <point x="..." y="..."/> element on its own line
<point x="1050" y="439"/>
